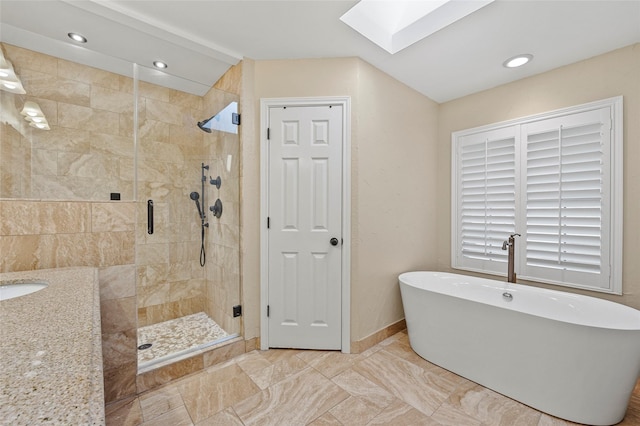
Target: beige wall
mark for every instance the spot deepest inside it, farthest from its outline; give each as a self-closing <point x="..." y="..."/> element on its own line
<point x="393" y="176"/>
<point x="612" y="74"/>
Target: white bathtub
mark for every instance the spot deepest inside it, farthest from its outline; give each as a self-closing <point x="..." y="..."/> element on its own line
<point x="571" y="356"/>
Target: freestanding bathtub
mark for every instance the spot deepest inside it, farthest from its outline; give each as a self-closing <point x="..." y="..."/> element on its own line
<point x="571" y="356"/>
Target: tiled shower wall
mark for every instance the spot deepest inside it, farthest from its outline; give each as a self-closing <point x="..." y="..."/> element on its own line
<point x="88" y="154"/>
<point x="223" y="238"/>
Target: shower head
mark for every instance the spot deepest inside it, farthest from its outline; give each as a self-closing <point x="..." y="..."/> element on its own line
<point x="203" y="123"/>
<point x="195" y="196"/>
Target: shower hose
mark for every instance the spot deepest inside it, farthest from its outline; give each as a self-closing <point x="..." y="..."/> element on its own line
<point x="203" y="256"/>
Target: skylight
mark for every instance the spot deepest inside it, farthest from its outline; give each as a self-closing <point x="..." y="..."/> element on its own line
<point x="397" y="24"/>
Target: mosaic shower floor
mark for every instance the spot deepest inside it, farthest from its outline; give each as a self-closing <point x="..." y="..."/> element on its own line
<point x="173" y="339"/>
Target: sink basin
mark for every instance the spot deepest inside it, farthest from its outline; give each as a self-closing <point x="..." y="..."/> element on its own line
<point x="9" y="291"/>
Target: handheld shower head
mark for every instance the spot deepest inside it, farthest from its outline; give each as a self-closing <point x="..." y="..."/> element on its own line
<point x="195" y="197"/>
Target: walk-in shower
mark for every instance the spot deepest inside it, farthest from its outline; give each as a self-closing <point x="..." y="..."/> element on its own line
<point x="188" y="271"/>
<point x="132" y="162"/>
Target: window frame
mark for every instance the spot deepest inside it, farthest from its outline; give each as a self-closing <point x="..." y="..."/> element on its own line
<point x="612" y="236"/>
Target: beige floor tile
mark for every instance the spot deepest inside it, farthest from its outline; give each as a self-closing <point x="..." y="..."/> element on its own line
<point x="399" y="413"/>
<point x="252" y="362"/>
<point x="309" y="355"/>
<point x="353" y="412"/>
<point x="124" y="413"/>
<point x="331" y="364"/>
<point x="386" y="385"/>
<point x="449" y="415"/>
<point x="275" y="355"/>
<point x="370" y="393"/>
<point x="175" y="417"/>
<point x="371" y="351"/>
<point x="280" y="370"/>
<point x="326" y="419"/>
<point x="404" y="351"/>
<point x="157" y="403"/>
<point x="296" y="400"/>
<point x="492" y="408"/>
<point x="216" y="389"/>
<point x="403" y="379"/>
<point x="226" y="417"/>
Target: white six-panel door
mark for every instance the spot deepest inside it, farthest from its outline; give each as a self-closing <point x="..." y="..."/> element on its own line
<point x="305" y="214"/>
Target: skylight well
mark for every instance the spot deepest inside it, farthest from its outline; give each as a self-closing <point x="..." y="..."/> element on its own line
<point x="397" y="24"/>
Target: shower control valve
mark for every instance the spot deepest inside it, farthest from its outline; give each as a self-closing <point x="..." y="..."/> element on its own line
<point x="216" y="209"/>
<point x="217" y="182"/>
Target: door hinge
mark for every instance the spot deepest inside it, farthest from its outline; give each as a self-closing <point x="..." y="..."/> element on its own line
<point x="235" y="118"/>
<point x="237" y="311"/>
<point x="267" y="310"/>
<point x="268" y="222"/>
<point x="268" y="133"/>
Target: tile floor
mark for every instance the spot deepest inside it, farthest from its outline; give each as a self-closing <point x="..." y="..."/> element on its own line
<point x="386" y="385"/>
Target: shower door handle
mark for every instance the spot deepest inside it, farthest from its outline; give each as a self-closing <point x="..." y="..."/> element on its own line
<point x="150" y="216"/>
<point x="333" y="241"/>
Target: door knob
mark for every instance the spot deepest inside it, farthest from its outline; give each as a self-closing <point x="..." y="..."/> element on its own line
<point x="333" y="241"/>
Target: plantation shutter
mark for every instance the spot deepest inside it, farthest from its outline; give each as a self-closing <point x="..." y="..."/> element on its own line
<point x="486" y="198"/>
<point x="555" y="178"/>
<point x="566" y="186"/>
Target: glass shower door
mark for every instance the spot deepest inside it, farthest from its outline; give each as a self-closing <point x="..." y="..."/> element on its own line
<point x="187" y="268"/>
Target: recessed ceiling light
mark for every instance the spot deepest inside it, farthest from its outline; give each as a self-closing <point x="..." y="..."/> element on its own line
<point x="77" y="37"/>
<point x="517" y="61"/>
<point x="159" y="64"/>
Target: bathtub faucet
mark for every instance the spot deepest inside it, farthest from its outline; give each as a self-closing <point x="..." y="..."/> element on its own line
<point x="511" y="246"/>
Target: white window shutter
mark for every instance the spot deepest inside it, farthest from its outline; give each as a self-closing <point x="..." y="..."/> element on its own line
<point x="556" y="178"/>
<point x="565" y="185"/>
<point x="486" y="198"/>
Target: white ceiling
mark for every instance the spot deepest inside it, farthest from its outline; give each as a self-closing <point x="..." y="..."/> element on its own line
<point x="200" y="40"/>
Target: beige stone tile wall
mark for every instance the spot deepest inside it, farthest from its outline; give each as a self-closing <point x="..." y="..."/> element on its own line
<point x="223" y="266"/>
<point x="15" y="157"/>
<point x="119" y="330"/>
<point x="56" y="234"/>
<point x="88" y="153"/>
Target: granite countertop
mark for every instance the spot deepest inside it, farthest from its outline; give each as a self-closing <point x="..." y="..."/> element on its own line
<point x="51" y="350"/>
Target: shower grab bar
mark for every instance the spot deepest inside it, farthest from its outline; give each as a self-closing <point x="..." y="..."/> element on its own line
<point x="150" y="216"/>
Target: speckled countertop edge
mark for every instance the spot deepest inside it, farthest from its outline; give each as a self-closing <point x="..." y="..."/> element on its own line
<point x="51" y="350"/>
